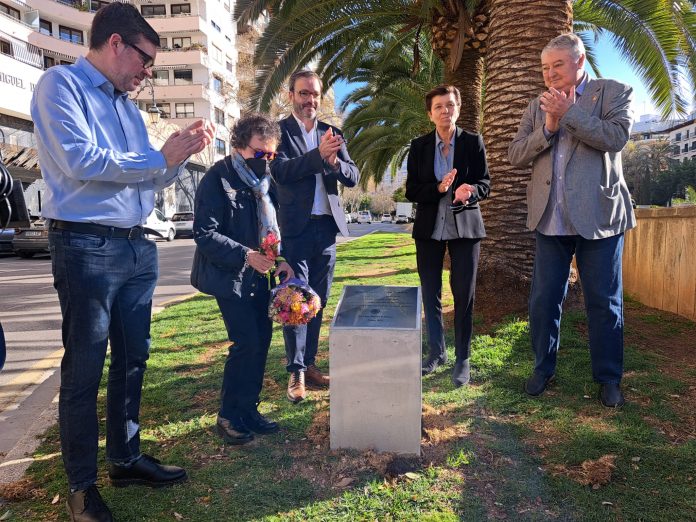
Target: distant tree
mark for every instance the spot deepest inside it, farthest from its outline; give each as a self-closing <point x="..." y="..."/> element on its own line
<point x="352" y="197"/>
<point x="382" y="203"/>
<point x="642" y="163"/>
<point x="673" y="182"/>
<point x="399" y="195"/>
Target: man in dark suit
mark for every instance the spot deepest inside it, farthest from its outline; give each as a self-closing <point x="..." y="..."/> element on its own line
<point x="312" y="159"/>
<point x="447" y="176"/>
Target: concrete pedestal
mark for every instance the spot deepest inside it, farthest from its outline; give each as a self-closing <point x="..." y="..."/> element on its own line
<point x="375" y="359"/>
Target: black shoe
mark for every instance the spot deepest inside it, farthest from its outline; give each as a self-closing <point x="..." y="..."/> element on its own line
<point x="432" y="363"/>
<point x="258" y="423"/>
<point x="461" y="373"/>
<point x="610" y="395"/>
<point x="86" y="505"/>
<point x="233" y="431"/>
<point x="537" y="383"/>
<point x="147" y="471"/>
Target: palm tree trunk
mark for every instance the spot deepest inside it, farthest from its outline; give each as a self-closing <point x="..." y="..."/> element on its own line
<point x="468" y="78"/>
<point x="519" y="30"/>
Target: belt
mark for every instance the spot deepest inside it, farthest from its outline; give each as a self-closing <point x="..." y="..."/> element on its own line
<point x="135" y="232"/>
<point x="319" y="216"/>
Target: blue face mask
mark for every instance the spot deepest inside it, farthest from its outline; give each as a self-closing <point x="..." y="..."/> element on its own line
<point x="258" y="166"/>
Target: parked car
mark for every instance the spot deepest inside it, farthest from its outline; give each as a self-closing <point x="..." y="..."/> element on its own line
<point x="183" y="223"/>
<point x="6" y="236"/>
<point x="160" y="224"/>
<point x="386" y="218"/>
<point x="31" y="240"/>
<point x="349" y="218"/>
<point x="364" y="216"/>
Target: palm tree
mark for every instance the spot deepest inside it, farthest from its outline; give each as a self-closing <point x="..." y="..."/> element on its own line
<point x="387" y="111"/>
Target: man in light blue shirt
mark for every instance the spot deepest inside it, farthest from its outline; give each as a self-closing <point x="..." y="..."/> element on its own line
<point x="101" y="175"/>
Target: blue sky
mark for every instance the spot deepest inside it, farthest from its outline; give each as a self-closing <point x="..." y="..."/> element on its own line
<point x="611" y="65"/>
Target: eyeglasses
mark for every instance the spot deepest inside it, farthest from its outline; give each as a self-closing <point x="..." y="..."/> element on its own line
<point x="270" y="155"/>
<point x="148" y="61"/>
<point x="458" y="207"/>
<point x="306" y="94"/>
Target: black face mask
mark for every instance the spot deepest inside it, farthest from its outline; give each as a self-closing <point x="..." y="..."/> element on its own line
<point x="258" y="166"/>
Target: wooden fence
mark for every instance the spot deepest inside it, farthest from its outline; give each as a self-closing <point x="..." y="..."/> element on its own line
<point x="659" y="260"/>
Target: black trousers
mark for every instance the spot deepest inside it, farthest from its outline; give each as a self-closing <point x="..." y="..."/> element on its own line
<point x="250" y="330"/>
<point x="464" y="256"/>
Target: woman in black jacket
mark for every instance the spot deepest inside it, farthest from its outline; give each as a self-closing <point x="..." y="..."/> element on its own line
<point x="235" y="210"/>
<point x="447" y="177"/>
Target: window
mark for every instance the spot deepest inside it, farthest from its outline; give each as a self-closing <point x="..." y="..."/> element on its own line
<point x="229" y="66"/>
<point x="216" y="53"/>
<point x="45" y="27"/>
<point x="678" y="136"/>
<point x="184" y="110"/>
<point x="164" y="109"/>
<point x="49" y="62"/>
<point x="153" y="10"/>
<point x="219" y="146"/>
<point x="66" y="62"/>
<point x="219" y="116"/>
<point x="181" y="9"/>
<point x="687" y="134"/>
<point x="215" y="26"/>
<point x="183" y="76"/>
<point x="693" y="145"/>
<point x="70" y="35"/>
<point x="686" y="148"/>
<point x="5" y="47"/>
<point x="182" y="42"/>
<point x="163" y="43"/>
<point x="217" y="85"/>
<point x="160" y="77"/>
<point x="95" y="5"/>
<point x="14" y="13"/>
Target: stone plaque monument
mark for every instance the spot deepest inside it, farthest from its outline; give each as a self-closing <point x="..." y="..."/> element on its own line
<point x="375" y="359"/>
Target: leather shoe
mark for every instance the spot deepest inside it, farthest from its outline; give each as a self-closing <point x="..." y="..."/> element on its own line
<point x="86" y="505"/>
<point x="233" y="431"/>
<point x="432" y="363"/>
<point x="461" y="373"/>
<point x="296" y="386"/>
<point x="147" y="471"/>
<point x="610" y="395"/>
<point x="258" y="423"/>
<point x="537" y="384"/>
<point x="314" y="377"/>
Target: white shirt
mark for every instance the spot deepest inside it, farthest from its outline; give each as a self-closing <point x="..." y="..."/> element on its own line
<point x="321" y="198"/>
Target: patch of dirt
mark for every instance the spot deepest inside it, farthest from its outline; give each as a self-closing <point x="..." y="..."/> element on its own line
<point x="596" y="473"/>
<point x="672" y="337"/>
<point x="440" y="426"/>
<point x="23" y="489"/>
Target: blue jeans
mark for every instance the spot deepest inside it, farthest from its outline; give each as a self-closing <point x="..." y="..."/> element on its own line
<point x="599" y="265"/>
<point x="312" y="255"/>
<point x="250" y="330"/>
<point x="105" y="289"/>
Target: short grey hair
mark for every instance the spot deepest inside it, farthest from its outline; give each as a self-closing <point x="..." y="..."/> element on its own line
<point x="569" y="42"/>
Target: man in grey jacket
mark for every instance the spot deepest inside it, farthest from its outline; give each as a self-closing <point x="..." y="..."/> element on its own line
<point x="578" y="204"/>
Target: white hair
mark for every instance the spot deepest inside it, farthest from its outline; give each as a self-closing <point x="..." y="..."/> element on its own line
<point x="569" y="42"/>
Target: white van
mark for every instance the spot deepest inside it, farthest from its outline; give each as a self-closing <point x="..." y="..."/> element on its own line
<point x="364" y="216"/>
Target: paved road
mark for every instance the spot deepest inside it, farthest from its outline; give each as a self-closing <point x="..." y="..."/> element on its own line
<point x="30" y="315"/>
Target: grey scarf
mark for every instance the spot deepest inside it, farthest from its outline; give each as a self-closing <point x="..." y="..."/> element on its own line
<point x="265" y="210"/>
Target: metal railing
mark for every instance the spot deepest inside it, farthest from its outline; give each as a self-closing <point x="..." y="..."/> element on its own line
<point x="23" y="51"/>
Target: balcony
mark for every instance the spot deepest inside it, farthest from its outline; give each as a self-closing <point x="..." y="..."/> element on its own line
<point x="190" y="92"/>
<point x="22" y="51"/>
<point x="178" y="24"/>
<point x="54" y="43"/>
<point x="168" y="57"/>
<point x="65" y="12"/>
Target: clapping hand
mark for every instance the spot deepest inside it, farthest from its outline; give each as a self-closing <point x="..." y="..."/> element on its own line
<point x="555" y="104"/>
<point x="463" y="193"/>
<point x="191" y="140"/>
<point x="447" y="180"/>
<point x="329" y="146"/>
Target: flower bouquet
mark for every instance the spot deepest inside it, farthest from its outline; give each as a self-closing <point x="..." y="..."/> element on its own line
<point x="293" y="303"/>
<point x="270" y="247"/>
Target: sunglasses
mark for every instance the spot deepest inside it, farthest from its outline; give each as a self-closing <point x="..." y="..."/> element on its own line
<point x="270" y="156"/>
<point x="148" y="61"/>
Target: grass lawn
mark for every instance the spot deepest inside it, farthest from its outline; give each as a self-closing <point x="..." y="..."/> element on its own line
<point x="488" y="451"/>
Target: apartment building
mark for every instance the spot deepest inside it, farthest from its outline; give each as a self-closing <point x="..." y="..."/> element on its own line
<point x="683" y="138"/>
<point x="194" y="75"/>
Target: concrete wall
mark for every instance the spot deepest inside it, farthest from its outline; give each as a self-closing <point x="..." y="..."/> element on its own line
<point x="659" y="261"/>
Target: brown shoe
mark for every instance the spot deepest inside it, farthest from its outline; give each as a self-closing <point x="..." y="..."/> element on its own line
<point x="296" y="386"/>
<point x="87" y="506"/>
<point x="315" y="377"/>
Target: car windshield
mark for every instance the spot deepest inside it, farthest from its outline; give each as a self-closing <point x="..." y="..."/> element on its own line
<point x="182" y="217"/>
